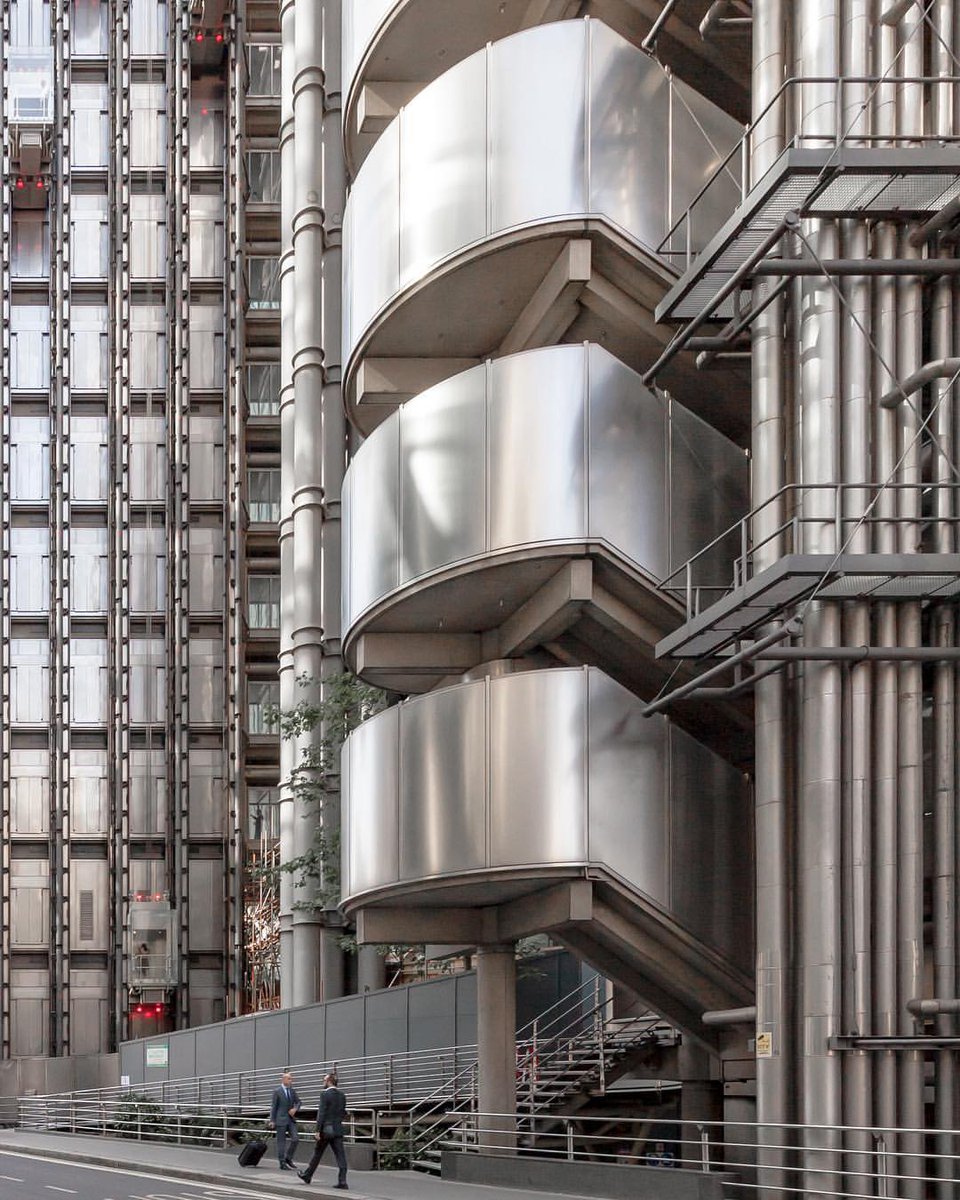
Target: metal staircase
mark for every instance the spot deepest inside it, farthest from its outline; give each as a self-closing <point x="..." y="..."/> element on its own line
<point x="567" y="1055"/>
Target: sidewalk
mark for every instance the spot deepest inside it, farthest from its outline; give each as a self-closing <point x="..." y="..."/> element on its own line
<point x="221" y="1167"/>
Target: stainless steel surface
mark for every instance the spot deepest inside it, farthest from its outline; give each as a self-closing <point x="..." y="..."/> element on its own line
<point x="448" y="479"/>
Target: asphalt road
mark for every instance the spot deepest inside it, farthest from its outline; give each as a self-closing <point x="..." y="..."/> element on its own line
<point x="26" y="1178"/>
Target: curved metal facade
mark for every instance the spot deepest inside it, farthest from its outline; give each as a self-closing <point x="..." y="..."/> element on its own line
<point x="521" y="135"/>
<point x="501" y="782"/>
<point x="557" y="446"/>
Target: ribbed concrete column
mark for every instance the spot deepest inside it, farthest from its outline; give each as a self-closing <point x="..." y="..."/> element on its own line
<point x="307" y="491"/>
<point x="497" y="1044"/>
<point x="287" y="616"/>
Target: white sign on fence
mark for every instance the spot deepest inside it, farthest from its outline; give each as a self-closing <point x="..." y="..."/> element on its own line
<point x="157" y="1056"/>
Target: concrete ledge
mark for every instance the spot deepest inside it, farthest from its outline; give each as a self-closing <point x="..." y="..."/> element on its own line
<point x="583" y="1178"/>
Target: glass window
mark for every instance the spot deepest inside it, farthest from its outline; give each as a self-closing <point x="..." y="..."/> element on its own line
<point x="206" y="237"/>
<point x="29" y="22"/>
<point x="90" y="347"/>
<point x="88" y="27"/>
<point x="206" y="457"/>
<point x="89" y="681"/>
<point x="147" y="680"/>
<point x="90" y="236"/>
<point x="90" y="125"/>
<point x="264" y="67"/>
<point x="148" y="458"/>
<point x="263" y="176"/>
<point x="263" y="282"/>
<point x="206" y="133"/>
<point x="148" y="236"/>
<point x="29" y="458"/>
<point x="89" y="457"/>
<point x="263" y="389"/>
<point x="263" y="814"/>
<point x="148" y="570"/>
<point x="148" y="125"/>
<point x="89" y="570"/>
<point x="31" y="245"/>
<point x="29" y="570"/>
<point x="148" y="26"/>
<point x="206" y="347"/>
<point x="263" y="601"/>
<point x="206" y="681"/>
<point x="263" y="490"/>
<point x="207" y="800"/>
<point x="31" y="85"/>
<point x="30" y="347"/>
<point x="148" y="347"/>
<point x="148" y="789"/>
<point x="263" y="696"/>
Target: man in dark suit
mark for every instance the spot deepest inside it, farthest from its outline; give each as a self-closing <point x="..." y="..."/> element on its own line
<point x="283" y="1118"/>
<point x="330" y="1114"/>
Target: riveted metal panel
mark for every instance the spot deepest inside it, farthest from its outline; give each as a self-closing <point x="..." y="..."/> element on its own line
<point x="443" y="169"/>
<point x="537" y="768"/>
<point x="374" y="566"/>
<point x="443" y="475"/>
<point x="89" y="791"/>
<point x="371" y="826"/>
<point x="443" y="782"/>
<point x="537" y="447"/>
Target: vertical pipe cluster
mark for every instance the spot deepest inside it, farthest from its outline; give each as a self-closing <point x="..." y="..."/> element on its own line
<point x="5" y="490"/>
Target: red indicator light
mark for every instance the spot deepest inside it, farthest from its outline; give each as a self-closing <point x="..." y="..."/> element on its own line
<point x="19" y="183"/>
<point x="204" y="111"/>
<point x="199" y="35"/>
<point x="40" y="183"/>
<point x="138" y="1010"/>
<point x="219" y="37"/>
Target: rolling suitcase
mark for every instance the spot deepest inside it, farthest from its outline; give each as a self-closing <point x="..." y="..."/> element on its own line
<point x="252" y="1152"/>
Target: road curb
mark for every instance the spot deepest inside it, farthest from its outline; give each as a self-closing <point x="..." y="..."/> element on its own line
<point x="185" y="1173"/>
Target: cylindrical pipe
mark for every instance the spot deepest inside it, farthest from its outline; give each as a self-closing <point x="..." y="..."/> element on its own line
<point x="933" y="1008"/>
<point x="856" y="266"/>
<point x="650" y="41"/>
<point x="857" y="654"/>
<point x="720" y="1017"/>
<point x="940" y="368"/>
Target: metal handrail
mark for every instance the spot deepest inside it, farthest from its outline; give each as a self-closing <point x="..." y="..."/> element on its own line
<point x="744" y="145"/>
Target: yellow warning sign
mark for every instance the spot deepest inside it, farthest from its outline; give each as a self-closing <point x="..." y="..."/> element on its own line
<point x="764" y="1045"/>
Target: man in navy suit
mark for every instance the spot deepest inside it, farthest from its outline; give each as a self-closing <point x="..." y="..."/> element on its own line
<point x="330" y="1114"/>
<point x="283" y="1118"/>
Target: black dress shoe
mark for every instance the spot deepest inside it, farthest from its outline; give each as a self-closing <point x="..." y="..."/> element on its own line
<point x="342" y="1186"/>
<point x="285" y="1166"/>
<point x="304" y="1176"/>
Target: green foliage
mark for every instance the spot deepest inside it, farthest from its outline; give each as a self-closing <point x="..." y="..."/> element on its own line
<point x="137" y="1116"/>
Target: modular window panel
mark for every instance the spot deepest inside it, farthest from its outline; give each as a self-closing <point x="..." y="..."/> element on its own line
<point x="29" y="792"/>
<point x="90" y="236"/>
<point x="148" y="236"/>
<point x="263" y="282"/>
<point x="148" y="570"/>
<point x="263" y="491"/>
<point x="30" y="683"/>
<point x="148" y="125"/>
<point x="30" y="570"/>
<point x="206" y="133"/>
<point x="148" y="347"/>
<point x="207" y="806"/>
<point x="148" y="27"/>
<point x="29" y="347"/>
<point x="148" y="797"/>
<point x="148" y="458"/>
<point x="88" y="27"/>
<point x="263" y="696"/>
<point x="29" y="22"/>
<point x="29" y="458"/>
<point x="264" y="69"/>
<point x="263" y="601"/>
<point x="89" y="570"/>
<point x="206" y="458"/>
<point x="263" y="389"/>
<point x="147" y="680"/>
<point x="206" y="347"/>
<point x="89" y="681"/>
<point x="207" y="246"/>
<point x="263" y="814"/>
<point x="206" y="569"/>
<point x="29" y="902"/>
<point x="263" y="176"/>
<point x="90" y="125"/>
<point x="30" y="245"/>
<point x="89" y="792"/>
<point x="206" y="681"/>
<point x="90" y="347"/>
<point x="90" y="457"/>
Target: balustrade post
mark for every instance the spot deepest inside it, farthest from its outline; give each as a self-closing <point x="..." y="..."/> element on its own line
<point x="704" y="1148"/>
<point x="568" y="1129"/>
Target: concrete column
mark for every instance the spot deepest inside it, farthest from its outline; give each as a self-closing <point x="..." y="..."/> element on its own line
<point x="497" y="1044"/>
<point x="371" y="970"/>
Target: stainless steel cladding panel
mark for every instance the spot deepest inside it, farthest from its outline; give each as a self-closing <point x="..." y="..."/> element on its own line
<point x="30" y="245"/>
<point x="443" y="184"/>
<point x="373" y="245"/>
<point x="89" y="792"/>
<point x="148" y="568"/>
<point x="711" y="833"/>
<point x="147" y="679"/>
<point x="148" y="27"/>
<point x="89" y="237"/>
<point x="89" y="901"/>
<point x="89" y="457"/>
<point x="89" y="570"/>
<point x="148" y="125"/>
<point x="207" y="798"/>
<point x="207" y="236"/>
<point x="206" y="457"/>
<point x="629" y="136"/>
<point x="29" y="569"/>
<point x="374" y="556"/>
<point x="89" y="346"/>
<point x="30" y="681"/>
<point x="29" y="1012"/>
<point x="29" y="457"/>
<point x="89" y="27"/>
<point x="707" y="134"/>
<point x="371" y="835"/>
<point x="537" y="447"/>
<point x="206" y="347"/>
<point x="538" y="163"/>
<point x="29" y="903"/>
<point x="148" y="790"/>
<point x="443" y="783"/>
<point x="89" y="1012"/>
<point x="29" y="347"/>
<point x="628" y="788"/>
<point x="89" y="681"/>
<point x="627" y="439"/>
<point x="148" y="347"/>
<point x="443" y="475"/>
<point x="148" y="236"/>
<point x="148" y="458"/>
<point x="206" y="681"/>
<point x="89" y="125"/>
<point x="29" y="792"/>
<point x="537" y="768"/>
<point x="206" y="568"/>
<point x="206" y="886"/>
<point x="360" y="21"/>
<point x="707" y="492"/>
